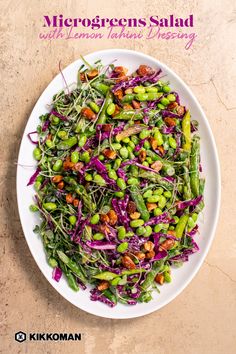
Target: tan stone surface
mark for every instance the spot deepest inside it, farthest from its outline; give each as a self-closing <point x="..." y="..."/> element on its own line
<point x="203" y="318"/>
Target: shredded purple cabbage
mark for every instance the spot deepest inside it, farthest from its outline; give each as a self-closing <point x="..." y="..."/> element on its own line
<point x="56" y="274"/>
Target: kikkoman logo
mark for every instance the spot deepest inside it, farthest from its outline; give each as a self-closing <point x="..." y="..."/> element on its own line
<point x="22" y="336"/>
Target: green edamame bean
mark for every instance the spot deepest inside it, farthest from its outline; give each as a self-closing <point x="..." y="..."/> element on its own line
<point x="153" y="199"/>
<point x="158" y="228"/>
<point x="122" y="247"/>
<point x="49" y="143"/>
<point x="162" y="202"/>
<point x="167" y="194"/>
<point x="160" y="106"/>
<point x="88" y="177"/>
<point x="108" y="167"/>
<point x="128" y="98"/>
<point x="37" y="185"/>
<point x="151" y="89"/>
<point x="119" y="194"/>
<point x="40" y="178"/>
<point x="171" y="97"/>
<point x="124" y="152"/>
<point x="194" y="217"/>
<point x="148" y="231"/>
<point x="145" y="163"/>
<point x="147" y="194"/>
<point x="116" y="146"/>
<point x="191" y="223"/>
<point x="99" y="180"/>
<point x="131" y="145"/>
<point x="94" y="219"/>
<point x="172" y="142"/>
<point x="98" y="236"/>
<point x="72" y="220"/>
<point x="52" y="262"/>
<point x="167" y="277"/>
<point x="55" y="120"/>
<point x="152" y="96"/>
<point x="141" y="96"/>
<point x="158" y="137"/>
<point x="147" y="145"/>
<point x="82" y="140"/>
<point x="37" y="154"/>
<point x="165" y="101"/>
<point x="94" y="107"/>
<point x="111" y="109"/>
<point x="129" y="234"/>
<point x="57" y="165"/>
<point x="149" y="160"/>
<point x="157" y="211"/>
<point x="121" y="233"/>
<point x="33" y="208"/>
<point x="135" y="139"/>
<point x="62" y="134"/>
<point x="139" y="89"/>
<point x="117" y="164"/>
<point x="85" y="157"/>
<point x="144" y="134"/>
<point x="101" y="157"/>
<point x="112" y="174"/>
<point x="176" y="219"/>
<point x="130" y="152"/>
<point x="74" y="157"/>
<point x="121" y="183"/>
<point x="49" y="206"/>
<point x="171" y="227"/>
<point x="126" y="140"/>
<point x="133" y="181"/>
<point x="140" y="230"/>
<point x="136" y="223"/>
<point x="166" y="89"/>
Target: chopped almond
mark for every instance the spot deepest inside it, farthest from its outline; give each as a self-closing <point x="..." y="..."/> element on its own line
<point x="170" y="121"/>
<point x="142" y="155"/>
<point x="140" y="255"/>
<point x="110" y="154"/>
<point x="131" y="207"/>
<point x="76" y="202"/>
<point x="127" y="107"/>
<point x="112" y="217"/>
<point x="88" y="113"/>
<point x="106" y="127"/>
<point x="150" y="254"/>
<point x="120" y="70"/>
<point x="60" y="185"/>
<point x="104" y="218"/>
<point x="57" y="178"/>
<point x="148" y="246"/>
<point x="144" y="70"/>
<point x="119" y="94"/>
<point x="127" y="262"/>
<point x="128" y="91"/>
<point x="172" y="105"/>
<point x="91" y="74"/>
<point x="136" y="104"/>
<point x="135" y="215"/>
<point x="161" y="150"/>
<point x="103" y="285"/>
<point x="180" y="110"/>
<point x="154" y="143"/>
<point x="160" y="279"/>
<point x="157" y="166"/>
<point x="151" y="206"/>
<point x="171" y="232"/>
<point x="166" y="245"/>
<point x="69" y="198"/>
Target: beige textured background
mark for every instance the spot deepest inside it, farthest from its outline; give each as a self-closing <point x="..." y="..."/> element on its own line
<point x="203" y="318"/>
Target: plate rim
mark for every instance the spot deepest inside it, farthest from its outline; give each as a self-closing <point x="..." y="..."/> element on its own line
<point x="204" y="252"/>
